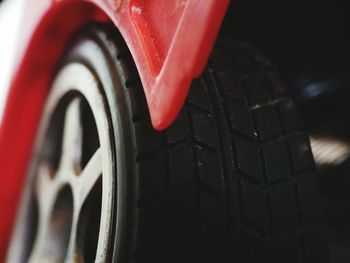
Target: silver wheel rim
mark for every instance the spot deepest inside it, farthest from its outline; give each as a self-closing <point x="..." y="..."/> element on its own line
<point x="63" y="193"/>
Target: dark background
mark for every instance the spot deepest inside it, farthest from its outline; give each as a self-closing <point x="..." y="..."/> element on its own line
<point x="306" y="38"/>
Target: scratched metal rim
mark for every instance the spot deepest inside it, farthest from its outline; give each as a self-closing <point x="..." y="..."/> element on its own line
<point x="67" y="208"/>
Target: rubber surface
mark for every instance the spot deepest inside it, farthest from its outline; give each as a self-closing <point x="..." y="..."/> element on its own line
<point x="232" y="180"/>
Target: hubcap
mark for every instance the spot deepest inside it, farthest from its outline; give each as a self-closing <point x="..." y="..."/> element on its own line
<point x="67" y="207"/>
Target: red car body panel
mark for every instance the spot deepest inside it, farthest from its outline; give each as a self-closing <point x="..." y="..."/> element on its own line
<point x="170" y="41"/>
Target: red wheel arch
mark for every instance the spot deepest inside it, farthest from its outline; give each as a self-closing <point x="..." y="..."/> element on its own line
<point x="170" y="41"/>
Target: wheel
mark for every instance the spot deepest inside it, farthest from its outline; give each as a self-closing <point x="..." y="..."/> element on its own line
<point x="232" y="180"/>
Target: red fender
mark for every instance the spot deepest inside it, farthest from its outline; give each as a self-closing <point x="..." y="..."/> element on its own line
<point x="170" y="41"/>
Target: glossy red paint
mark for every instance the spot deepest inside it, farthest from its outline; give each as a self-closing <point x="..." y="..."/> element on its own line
<point x="170" y="41"/>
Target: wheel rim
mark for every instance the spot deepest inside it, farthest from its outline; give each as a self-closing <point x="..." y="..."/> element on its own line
<point x="71" y="179"/>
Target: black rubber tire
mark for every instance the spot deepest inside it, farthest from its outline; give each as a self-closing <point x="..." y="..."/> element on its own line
<point x="232" y="180"/>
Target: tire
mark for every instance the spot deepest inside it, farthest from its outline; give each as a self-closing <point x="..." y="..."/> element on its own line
<point x="232" y="179"/>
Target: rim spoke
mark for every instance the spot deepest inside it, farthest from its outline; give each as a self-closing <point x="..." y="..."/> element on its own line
<point x="71" y="252"/>
<point x="84" y="184"/>
<point x="43" y="184"/>
<point x="72" y="136"/>
<point x="90" y="175"/>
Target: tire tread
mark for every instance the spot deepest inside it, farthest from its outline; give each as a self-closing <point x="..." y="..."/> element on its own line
<point x="233" y="177"/>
